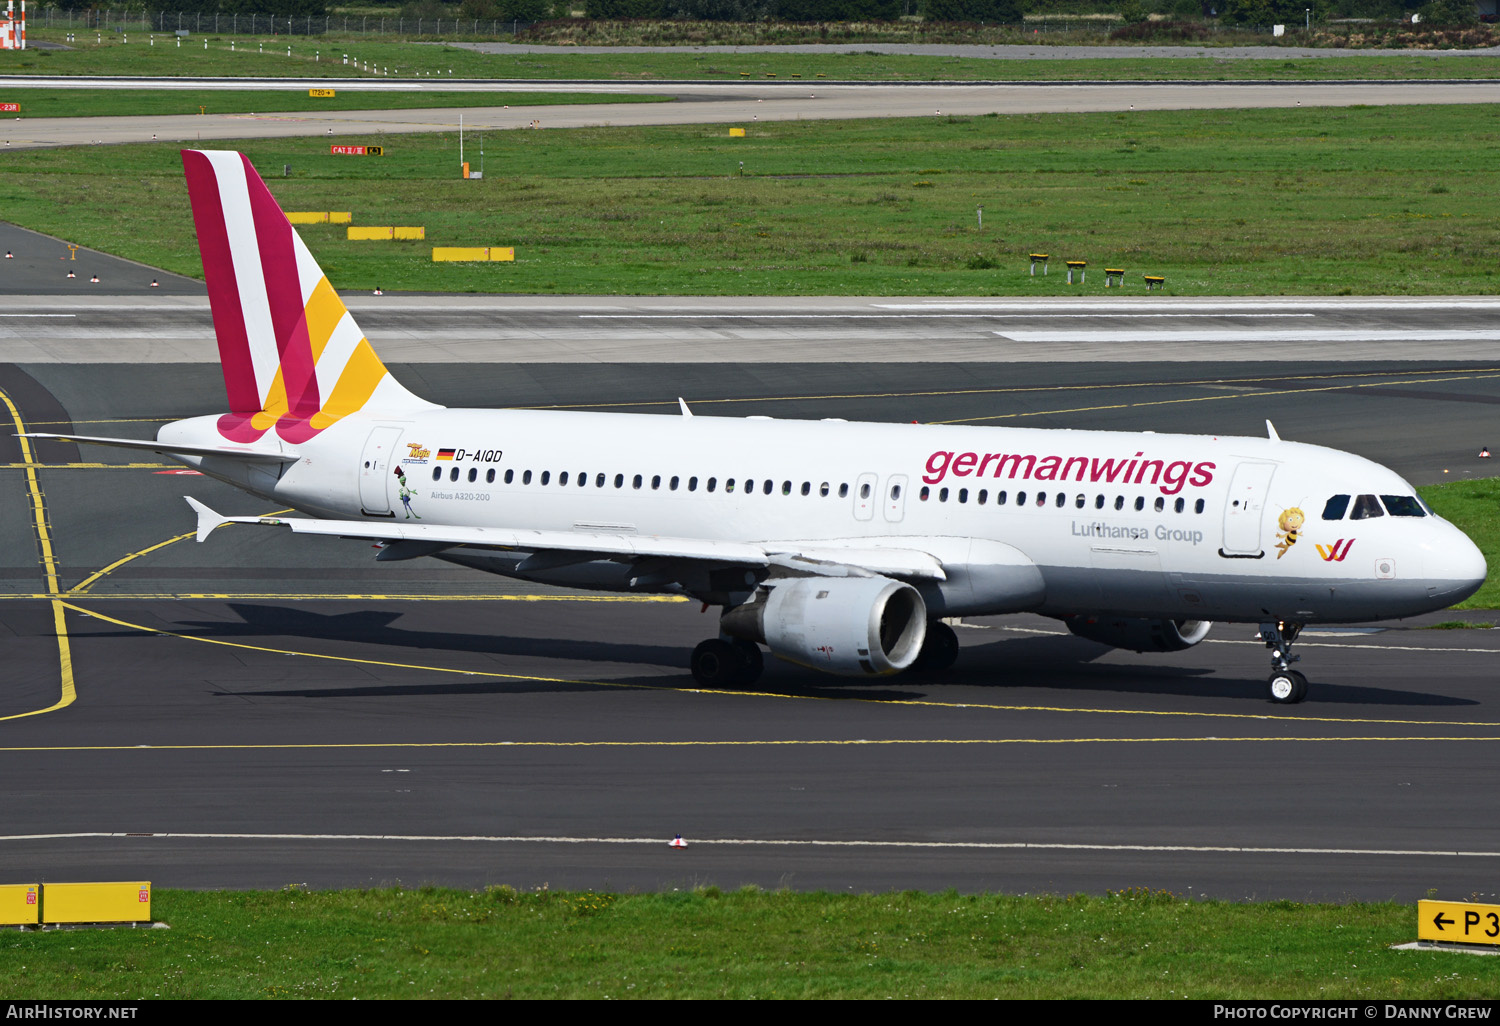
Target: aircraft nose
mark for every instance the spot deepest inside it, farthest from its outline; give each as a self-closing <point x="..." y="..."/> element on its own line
<point x="1456" y="567"/>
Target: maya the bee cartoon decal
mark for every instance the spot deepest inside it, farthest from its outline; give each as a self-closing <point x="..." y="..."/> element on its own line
<point x="1290" y="522"/>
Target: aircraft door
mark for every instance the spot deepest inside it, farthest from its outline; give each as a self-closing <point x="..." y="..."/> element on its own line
<point x="376" y="469"/>
<point x="1244" y="510"/>
<point x="895" y="497"/>
<point x="864" y="497"/>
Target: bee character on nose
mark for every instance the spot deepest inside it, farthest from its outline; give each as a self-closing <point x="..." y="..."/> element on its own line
<point x="1290" y="522"/>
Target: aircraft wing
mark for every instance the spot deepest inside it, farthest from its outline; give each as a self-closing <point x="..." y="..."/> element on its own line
<point x="424" y="539"/>
<point x="167" y="448"/>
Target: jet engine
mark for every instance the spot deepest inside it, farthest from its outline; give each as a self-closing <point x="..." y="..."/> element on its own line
<point x="1140" y="635"/>
<point x="852" y="626"/>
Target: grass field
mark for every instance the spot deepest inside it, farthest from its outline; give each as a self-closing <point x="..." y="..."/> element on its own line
<point x="1475" y="507"/>
<point x="433" y="943"/>
<point x="1380" y="200"/>
<point x="323" y="57"/>
<point x="59" y="103"/>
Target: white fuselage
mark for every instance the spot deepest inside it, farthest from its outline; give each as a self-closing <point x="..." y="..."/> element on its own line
<point x="1173" y="526"/>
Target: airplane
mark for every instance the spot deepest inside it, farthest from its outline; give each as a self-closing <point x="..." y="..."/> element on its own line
<point x="837" y="546"/>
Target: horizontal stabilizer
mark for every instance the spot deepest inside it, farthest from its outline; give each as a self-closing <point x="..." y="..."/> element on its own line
<point x="168" y="448"/>
<point x="207" y="518"/>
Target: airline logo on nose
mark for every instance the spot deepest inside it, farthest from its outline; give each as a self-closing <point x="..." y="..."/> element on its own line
<point x="1336" y="552"/>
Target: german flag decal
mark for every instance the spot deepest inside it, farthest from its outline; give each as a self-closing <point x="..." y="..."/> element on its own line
<point x="445" y="454"/>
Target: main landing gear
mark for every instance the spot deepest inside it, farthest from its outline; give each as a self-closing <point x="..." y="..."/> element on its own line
<point x="727" y="663"/>
<point x="939" y="647"/>
<point x="1287" y="686"/>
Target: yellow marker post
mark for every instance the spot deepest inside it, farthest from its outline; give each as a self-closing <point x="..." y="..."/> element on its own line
<point x="411" y="233"/>
<point x="18" y="905"/>
<point x="736" y="133"/>
<point x="320" y="92"/>
<point x="1458" y="922"/>
<point x="307" y="216"/>
<point x="97" y="902"/>
<point x="370" y="232"/>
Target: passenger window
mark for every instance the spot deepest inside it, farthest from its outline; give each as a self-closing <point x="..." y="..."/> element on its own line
<point x="1366" y="507"/>
<point x="963" y="495"/>
<point x="510" y="475"/>
<point x="942" y="495"/>
<point x="999" y="498"/>
<point x="635" y="482"/>
<point x="806" y="487"/>
<point x="1336" y="507"/>
<point x="749" y="486"/>
<point x="692" y="484"/>
<point x="1041" y="498"/>
<point x="983" y="495"/>
<point x="895" y="492"/>
<point x="1061" y="498"/>
<point x="489" y="476"/>
<point x="1198" y="506"/>
<point x="924" y="493"/>
<point x="1403" y="506"/>
<point x="1140" y="503"/>
<point x="526" y="477"/>
<point x="1119" y="502"/>
<point x="546" y="476"/>
<point x="1020" y="498"/>
<point x="619" y="480"/>
<point x="655" y="482"/>
<point x="765" y="489"/>
<point x="1098" y="502"/>
<point x="437" y="473"/>
<point x="473" y="474"/>
<point x="673" y="483"/>
<point x="1079" y="502"/>
<point x="843" y="491"/>
<point x="1160" y="503"/>
<point x="453" y="474"/>
<point x="729" y="484"/>
<point x="786" y="487"/>
<point x="598" y="480"/>
<point x="823" y="490"/>
<point x="1179" y="505"/>
<point x="713" y="483"/>
<point x="864" y="491"/>
<point x="562" y="478"/>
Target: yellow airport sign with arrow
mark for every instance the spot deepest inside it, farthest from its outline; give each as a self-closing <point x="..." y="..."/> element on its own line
<point x="1458" y="922"/>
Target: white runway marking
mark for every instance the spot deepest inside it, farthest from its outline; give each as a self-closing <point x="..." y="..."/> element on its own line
<point x="774" y="843"/>
<point x="708" y="315"/>
<point x="1253" y="335"/>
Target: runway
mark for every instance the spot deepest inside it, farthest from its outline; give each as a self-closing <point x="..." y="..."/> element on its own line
<point x="735" y="104"/>
<point x="262" y="710"/>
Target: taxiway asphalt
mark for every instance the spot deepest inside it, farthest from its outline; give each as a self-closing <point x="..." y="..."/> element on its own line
<point x="265" y="709"/>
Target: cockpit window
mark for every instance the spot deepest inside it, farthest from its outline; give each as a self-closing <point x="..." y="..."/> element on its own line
<point x="1337" y="506"/>
<point x="1403" y="506"/>
<point x="1366" y="507"/>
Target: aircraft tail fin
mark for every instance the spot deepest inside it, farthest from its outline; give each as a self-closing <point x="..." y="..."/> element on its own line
<point x="293" y="357"/>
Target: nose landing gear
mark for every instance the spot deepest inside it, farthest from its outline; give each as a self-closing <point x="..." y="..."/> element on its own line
<point x="1287" y="686"/>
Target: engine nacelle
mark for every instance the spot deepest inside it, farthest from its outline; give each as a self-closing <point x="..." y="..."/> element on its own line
<point x="852" y="626"/>
<point x="1140" y="635"/>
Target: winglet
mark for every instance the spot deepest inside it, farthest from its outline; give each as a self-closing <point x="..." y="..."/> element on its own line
<point x="207" y="518"/>
<point x="681" y="402"/>
<point x="1271" y="432"/>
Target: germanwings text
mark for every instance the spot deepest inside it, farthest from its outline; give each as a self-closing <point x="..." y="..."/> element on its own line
<point x="1168" y="477"/>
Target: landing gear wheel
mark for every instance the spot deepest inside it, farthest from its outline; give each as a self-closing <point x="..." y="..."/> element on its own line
<point x="751" y="661"/>
<point x="1287" y="687"/>
<point x="718" y="663"/>
<point x="714" y="663"/>
<point x="939" y="648"/>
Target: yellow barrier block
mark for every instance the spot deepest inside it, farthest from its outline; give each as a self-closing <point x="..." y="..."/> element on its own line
<point x="97" y="902"/>
<point x="460" y="253"/>
<point x="411" y="233"/>
<point x="339" y="217"/>
<point x="307" y="216"/>
<point x="384" y="232"/>
<point x="736" y="133"/>
<point x="18" y="905"/>
<point x="473" y="253"/>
